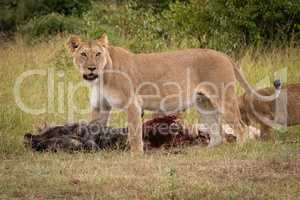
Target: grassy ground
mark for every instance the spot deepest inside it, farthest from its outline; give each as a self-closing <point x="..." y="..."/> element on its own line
<point x="258" y="170"/>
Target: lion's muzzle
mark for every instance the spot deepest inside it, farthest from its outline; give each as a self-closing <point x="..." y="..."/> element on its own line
<point x="90" y="76"/>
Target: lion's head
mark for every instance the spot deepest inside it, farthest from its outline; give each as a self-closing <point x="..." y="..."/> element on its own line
<point x="90" y="57"/>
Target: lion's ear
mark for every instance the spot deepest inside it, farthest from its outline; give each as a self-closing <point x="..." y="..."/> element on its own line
<point x="103" y="40"/>
<point x="73" y="43"/>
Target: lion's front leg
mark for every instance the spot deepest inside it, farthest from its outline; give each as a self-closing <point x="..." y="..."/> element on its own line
<point x="135" y="134"/>
<point x="101" y="113"/>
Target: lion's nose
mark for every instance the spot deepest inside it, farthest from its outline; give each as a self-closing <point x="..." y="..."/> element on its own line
<point x="92" y="68"/>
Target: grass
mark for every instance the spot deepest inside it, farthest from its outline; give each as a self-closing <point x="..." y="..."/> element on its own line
<point x="257" y="170"/>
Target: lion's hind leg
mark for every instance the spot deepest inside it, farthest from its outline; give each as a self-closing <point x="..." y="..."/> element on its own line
<point x="231" y="116"/>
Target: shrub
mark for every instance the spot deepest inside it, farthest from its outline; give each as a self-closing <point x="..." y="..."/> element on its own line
<point x="7" y="15"/>
<point x="256" y="21"/>
<point x="52" y="24"/>
<point x="125" y="24"/>
<point x="14" y="12"/>
<point x="230" y="24"/>
<point x="226" y="25"/>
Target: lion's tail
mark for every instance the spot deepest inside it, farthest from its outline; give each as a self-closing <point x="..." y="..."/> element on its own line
<point x="250" y="91"/>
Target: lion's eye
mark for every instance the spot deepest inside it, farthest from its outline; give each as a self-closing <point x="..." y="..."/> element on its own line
<point x="83" y="54"/>
<point x="98" y="54"/>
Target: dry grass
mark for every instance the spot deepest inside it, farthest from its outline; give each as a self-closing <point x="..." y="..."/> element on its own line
<point x="255" y="171"/>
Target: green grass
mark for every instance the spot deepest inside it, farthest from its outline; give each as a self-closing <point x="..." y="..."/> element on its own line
<point x="257" y="170"/>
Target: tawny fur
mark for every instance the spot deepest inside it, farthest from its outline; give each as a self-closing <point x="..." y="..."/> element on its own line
<point x="266" y="109"/>
<point x="130" y="89"/>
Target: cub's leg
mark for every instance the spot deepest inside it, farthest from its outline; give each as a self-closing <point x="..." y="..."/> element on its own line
<point x="135" y="135"/>
<point x="266" y="132"/>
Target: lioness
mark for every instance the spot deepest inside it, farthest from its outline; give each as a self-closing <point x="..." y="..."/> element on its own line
<point x="162" y="82"/>
<point x="263" y="112"/>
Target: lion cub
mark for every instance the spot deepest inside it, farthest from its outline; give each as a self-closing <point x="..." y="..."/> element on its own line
<point x="286" y="111"/>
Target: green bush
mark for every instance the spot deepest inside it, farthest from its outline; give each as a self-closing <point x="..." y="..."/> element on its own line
<point x="256" y="21"/>
<point x="226" y="25"/>
<point x="17" y="12"/>
<point x="123" y="23"/>
<point x="230" y="24"/>
<point x="52" y="24"/>
<point x="8" y="15"/>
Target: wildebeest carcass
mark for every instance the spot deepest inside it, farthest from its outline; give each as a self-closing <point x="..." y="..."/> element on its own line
<point x="159" y="132"/>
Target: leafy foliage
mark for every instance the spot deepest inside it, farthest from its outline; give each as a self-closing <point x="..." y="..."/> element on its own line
<point x="52" y="24"/>
<point x="16" y="12"/>
<point x="256" y="20"/>
<point x="226" y="25"/>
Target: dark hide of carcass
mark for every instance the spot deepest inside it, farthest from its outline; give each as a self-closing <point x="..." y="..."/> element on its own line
<point x="159" y="132"/>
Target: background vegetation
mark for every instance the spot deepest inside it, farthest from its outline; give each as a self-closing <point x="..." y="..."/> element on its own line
<point x="226" y="25"/>
<point x="263" y="35"/>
